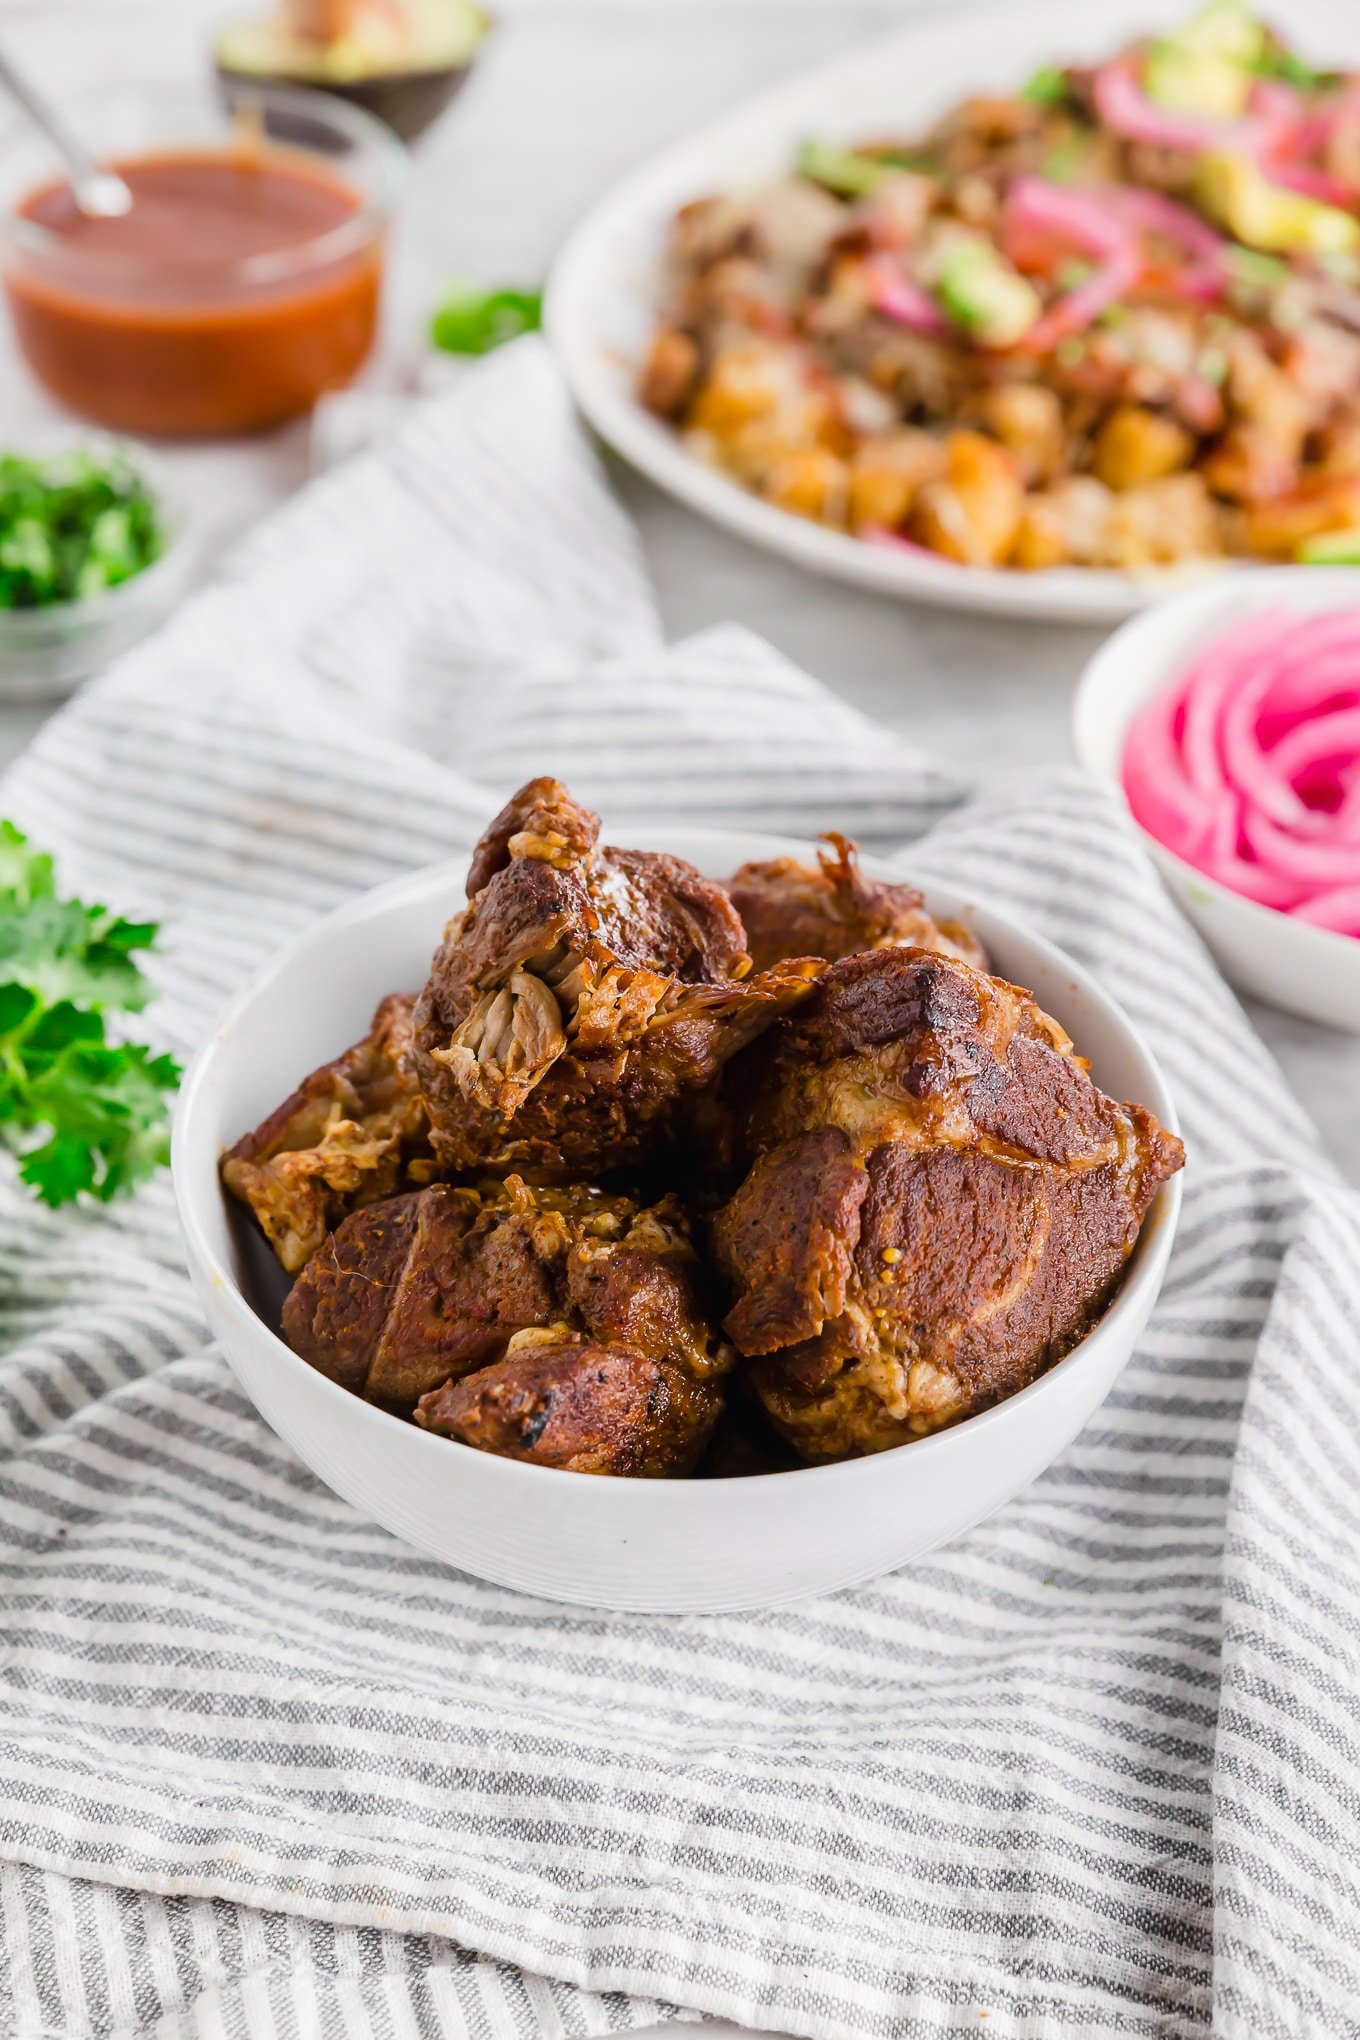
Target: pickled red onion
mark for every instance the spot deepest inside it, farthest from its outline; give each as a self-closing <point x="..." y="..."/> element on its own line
<point x="897" y="298"/>
<point x="1248" y="767"/>
<point x="1122" y="105"/>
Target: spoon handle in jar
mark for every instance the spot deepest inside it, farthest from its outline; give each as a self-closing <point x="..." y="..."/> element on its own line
<point x="101" y="193"/>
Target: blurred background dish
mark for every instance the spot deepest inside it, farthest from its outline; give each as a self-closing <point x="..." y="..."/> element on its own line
<point x="1304" y="969"/>
<point x="603" y="292"/>
<point x="242" y="284"/>
<point x="401" y="60"/>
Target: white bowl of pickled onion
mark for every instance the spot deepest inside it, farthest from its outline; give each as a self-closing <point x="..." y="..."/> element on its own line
<point x="1229" y="718"/>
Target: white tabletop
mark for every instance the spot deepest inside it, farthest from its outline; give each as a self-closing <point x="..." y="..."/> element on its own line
<point x="569" y="95"/>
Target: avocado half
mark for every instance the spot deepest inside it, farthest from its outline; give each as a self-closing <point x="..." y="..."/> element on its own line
<point x="405" y="80"/>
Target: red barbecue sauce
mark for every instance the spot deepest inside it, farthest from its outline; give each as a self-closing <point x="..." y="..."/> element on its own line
<point x="150" y="323"/>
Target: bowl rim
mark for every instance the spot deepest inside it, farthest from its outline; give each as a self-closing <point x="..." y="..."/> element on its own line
<point x="1102" y="710"/>
<point x="372" y="139"/>
<point x="1139" y="1282"/>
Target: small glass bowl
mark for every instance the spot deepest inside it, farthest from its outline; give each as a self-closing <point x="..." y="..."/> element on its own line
<point x="202" y="344"/>
<point x="46" y="652"/>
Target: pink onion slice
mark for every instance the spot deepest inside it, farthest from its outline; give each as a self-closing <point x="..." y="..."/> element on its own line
<point x="1248" y="765"/>
<point x="1338" y="910"/>
<point x="1313" y="183"/>
<point x="1325" y="740"/>
<point x="903" y="301"/>
<point x="1122" y="105"/>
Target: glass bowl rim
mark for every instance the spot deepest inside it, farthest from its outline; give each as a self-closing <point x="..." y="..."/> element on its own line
<point x="353" y="124"/>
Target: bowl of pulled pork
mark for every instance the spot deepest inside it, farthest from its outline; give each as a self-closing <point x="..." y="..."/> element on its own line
<point x="1038" y="311"/>
<point x="735" y="1175"/>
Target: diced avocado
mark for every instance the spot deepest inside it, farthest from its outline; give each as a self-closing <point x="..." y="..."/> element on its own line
<point x="1330" y="549"/>
<point x="840" y="170"/>
<point x="1208" y="66"/>
<point x="1228" y="29"/>
<point x="984" y="295"/>
<point x="1048" y="87"/>
<point x="1236" y="192"/>
<point x="1195" y="81"/>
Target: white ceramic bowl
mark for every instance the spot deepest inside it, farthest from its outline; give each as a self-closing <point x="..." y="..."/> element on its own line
<point x="1302" y="969"/>
<point x="602" y="293"/>
<point x="666" y="1545"/>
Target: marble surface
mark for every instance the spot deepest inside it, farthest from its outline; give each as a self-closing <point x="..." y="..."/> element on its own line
<point x="569" y="95"/>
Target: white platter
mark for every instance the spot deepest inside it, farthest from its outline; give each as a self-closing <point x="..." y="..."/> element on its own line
<point x="669" y="1545"/>
<point x="602" y="291"/>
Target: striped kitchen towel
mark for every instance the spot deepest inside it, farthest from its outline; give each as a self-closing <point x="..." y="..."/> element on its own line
<point x="1090" y="1771"/>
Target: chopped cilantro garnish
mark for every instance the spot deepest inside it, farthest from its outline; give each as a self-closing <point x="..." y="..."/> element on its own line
<point x="475" y="321"/>
<point x="72" y="524"/>
<point x="81" y="1112"/>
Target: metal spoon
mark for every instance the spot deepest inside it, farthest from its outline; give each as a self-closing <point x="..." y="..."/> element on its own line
<point x="101" y="194"/>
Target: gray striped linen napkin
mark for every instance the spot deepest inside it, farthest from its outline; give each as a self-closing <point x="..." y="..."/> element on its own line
<point x="1092" y="1770"/>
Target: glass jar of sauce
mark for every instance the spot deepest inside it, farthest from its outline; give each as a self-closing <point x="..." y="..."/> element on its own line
<point x="243" y="283"/>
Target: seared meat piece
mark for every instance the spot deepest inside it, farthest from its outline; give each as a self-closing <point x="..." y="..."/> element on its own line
<point x="416" y="1294"/>
<point x="581" y="997"/>
<point x="940" y="1206"/>
<point x="561" y="1399"/>
<point x="791" y="909"/>
<point x="352" y="1133"/>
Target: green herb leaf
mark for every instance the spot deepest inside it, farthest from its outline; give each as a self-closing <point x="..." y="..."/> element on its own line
<point x="473" y="322"/>
<point x="84" y="1114"/>
<point x="71" y="525"/>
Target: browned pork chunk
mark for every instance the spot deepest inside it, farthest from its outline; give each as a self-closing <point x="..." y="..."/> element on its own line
<point x="440" y="1287"/>
<point x="352" y="1133"/>
<point x="582" y="995"/>
<point x="941" y="1204"/>
<point x="830" y="909"/>
<point x="560" y="1399"/>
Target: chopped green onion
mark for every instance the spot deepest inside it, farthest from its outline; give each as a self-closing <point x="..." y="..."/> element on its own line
<point x="474" y="322"/>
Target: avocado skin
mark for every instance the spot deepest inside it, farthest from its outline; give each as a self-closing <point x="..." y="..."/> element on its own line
<point x="406" y="101"/>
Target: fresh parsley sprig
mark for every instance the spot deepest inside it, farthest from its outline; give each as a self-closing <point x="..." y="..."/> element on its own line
<point x="83" y="1113"/>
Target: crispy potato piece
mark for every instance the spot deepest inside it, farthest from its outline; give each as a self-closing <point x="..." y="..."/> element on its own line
<point x="1278" y="527"/>
<point x="888" y="473"/>
<point x="1027" y="419"/>
<point x="812" y="482"/>
<point x="669" y="372"/>
<point x="1162" y="523"/>
<point x="974" y="513"/>
<point x="1136" y="445"/>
